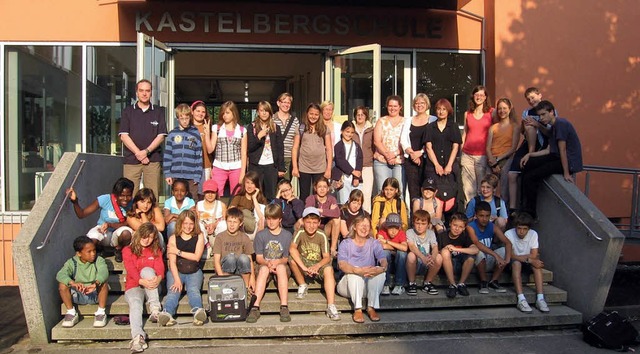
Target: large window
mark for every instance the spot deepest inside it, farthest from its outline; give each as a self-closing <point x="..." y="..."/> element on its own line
<point x="448" y="75"/>
<point x="42" y="116"/>
<point x="111" y="78"/>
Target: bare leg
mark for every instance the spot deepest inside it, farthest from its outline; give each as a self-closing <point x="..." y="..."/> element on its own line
<point x="329" y="284"/>
<point x="283" y="283"/>
<point x="296" y="272"/>
<point x="103" y="295"/>
<point x="65" y="294"/>
<point x="261" y="284"/>
<point x="516" y="274"/>
<point x="434" y="269"/>
<point x="447" y="264"/>
<point x="412" y="261"/>
<point x="467" y="267"/>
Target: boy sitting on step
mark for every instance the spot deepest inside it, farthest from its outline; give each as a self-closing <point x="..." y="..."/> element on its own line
<point x="272" y="255"/>
<point x="394" y="242"/>
<point x="82" y="281"/>
<point x="526" y="260"/>
<point x="457" y="251"/>
<point x="232" y="250"/>
<point x="486" y="235"/>
<point x="424" y="257"/>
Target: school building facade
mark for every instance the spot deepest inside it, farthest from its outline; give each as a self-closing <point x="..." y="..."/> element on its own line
<point x="69" y="67"/>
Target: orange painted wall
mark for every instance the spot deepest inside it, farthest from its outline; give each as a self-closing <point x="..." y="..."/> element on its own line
<point x="585" y="57"/>
<point x="8" y="233"/>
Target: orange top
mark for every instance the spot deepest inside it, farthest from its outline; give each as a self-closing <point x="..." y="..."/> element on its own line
<point x="502" y="139"/>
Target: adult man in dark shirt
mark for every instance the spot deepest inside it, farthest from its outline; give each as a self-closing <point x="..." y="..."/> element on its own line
<point x="142" y="130"/>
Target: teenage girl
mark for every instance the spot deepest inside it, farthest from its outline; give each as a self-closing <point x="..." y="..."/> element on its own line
<point x="348" y="159"/>
<point x="364" y="131"/>
<point x="144" y="208"/>
<point x="388" y="201"/>
<point x="251" y="202"/>
<point x="474" y="141"/>
<point x="176" y="204"/>
<point x="502" y="143"/>
<point x="266" y="154"/>
<point x="429" y="203"/>
<point x="329" y="210"/>
<point x="212" y="214"/>
<point x="145" y="268"/>
<point x="184" y="252"/>
<point x="292" y="207"/>
<point x="351" y="210"/>
<point x="312" y="151"/>
<point x="202" y="122"/>
<point x="229" y="142"/>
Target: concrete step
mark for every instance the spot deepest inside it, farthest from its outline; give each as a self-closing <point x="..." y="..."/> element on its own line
<point x="394" y="321"/>
<point x="315" y="301"/>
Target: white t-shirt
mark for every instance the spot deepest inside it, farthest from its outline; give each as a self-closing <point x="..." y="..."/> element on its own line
<point x="525" y="245"/>
<point x="423" y="244"/>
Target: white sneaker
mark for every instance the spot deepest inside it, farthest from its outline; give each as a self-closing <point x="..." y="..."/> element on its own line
<point x="100" y="320"/>
<point x="398" y="290"/>
<point x="332" y="313"/>
<point x="138" y="344"/>
<point x="165" y="319"/>
<point x="302" y="291"/>
<point x="523" y="306"/>
<point x="199" y="317"/>
<point x="385" y="290"/>
<point x="70" y="320"/>
<point x="542" y="306"/>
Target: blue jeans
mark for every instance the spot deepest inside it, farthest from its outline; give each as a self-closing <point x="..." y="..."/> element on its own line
<point x="397" y="259"/>
<point x="382" y="171"/>
<point x="192" y="283"/>
<point x="236" y="264"/>
<point x="170" y="229"/>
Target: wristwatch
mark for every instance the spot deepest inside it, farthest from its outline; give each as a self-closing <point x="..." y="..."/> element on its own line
<point x="179" y="253"/>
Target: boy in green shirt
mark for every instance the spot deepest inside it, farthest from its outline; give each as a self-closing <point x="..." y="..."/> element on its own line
<point x="82" y="280"/>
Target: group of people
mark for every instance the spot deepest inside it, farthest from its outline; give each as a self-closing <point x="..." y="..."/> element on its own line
<point x="381" y="245"/>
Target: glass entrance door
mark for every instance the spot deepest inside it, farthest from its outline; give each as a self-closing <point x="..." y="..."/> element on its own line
<point x="396" y="80"/>
<point x="154" y="62"/>
<point x="352" y="79"/>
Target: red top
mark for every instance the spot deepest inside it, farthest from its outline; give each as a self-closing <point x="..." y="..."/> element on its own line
<point x="477" y="134"/>
<point x="401" y="236"/>
<point x="134" y="264"/>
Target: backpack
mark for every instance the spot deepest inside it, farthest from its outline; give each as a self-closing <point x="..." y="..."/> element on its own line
<point x="398" y="207"/>
<point x="610" y="330"/>
<point x="497" y="202"/>
<point x="447" y="191"/>
<point x="75" y="268"/>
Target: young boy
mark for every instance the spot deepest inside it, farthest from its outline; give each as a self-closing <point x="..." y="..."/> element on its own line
<point x="183" y="152"/>
<point x="394" y="242"/>
<point x="311" y="259"/>
<point x="525" y="260"/>
<point x="497" y="206"/>
<point x="424" y="257"/>
<point x="272" y="255"/>
<point x="232" y="250"/>
<point x="82" y="281"/>
<point x="457" y="251"/>
<point x="563" y="155"/>
<point x="483" y="233"/>
<point x="535" y="132"/>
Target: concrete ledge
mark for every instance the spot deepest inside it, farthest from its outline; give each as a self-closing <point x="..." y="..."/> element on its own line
<point x="316" y="301"/>
<point x="569" y="228"/>
<point x="319" y="325"/>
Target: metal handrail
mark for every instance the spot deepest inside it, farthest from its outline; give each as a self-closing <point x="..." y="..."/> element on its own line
<point x="634" y="224"/>
<point x="66" y="197"/>
<point x="593" y="234"/>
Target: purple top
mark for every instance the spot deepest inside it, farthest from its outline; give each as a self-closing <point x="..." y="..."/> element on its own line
<point x="365" y="256"/>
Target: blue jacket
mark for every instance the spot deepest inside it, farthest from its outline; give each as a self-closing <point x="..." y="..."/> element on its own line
<point x="183" y="154"/>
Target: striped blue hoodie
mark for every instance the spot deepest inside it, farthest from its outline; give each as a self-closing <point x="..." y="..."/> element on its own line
<point x="183" y="154"/>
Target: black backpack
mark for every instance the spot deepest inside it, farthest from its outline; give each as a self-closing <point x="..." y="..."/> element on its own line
<point x="610" y="330"/>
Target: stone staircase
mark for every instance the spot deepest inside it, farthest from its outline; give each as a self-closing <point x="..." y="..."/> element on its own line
<point x="399" y="314"/>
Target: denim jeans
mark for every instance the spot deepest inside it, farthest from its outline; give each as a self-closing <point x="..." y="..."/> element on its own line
<point x="236" y="264"/>
<point x="135" y="299"/>
<point x="397" y="259"/>
<point x="382" y="171"/>
<point x="192" y="283"/>
<point x="170" y="229"/>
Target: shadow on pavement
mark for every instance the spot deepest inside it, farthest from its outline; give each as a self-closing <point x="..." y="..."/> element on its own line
<point x="13" y="324"/>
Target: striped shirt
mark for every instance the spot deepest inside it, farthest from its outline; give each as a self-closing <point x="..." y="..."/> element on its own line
<point x="183" y="154"/>
<point x="293" y="131"/>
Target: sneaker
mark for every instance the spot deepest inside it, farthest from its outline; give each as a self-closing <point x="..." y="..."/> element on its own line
<point x="118" y="255"/>
<point x="164" y="319"/>
<point x="302" y="291"/>
<point x="385" y="290"/>
<point x="462" y="289"/>
<point x="429" y="288"/>
<point x="100" y="320"/>
<point x="153" y="317"/>
<point x="253" y="315"/>
<point x="332" y="313"/>
<point x="398" y="290"/>
<point x="70" y="320"/>
<point x="483" y="288"/>
<point x="412" y="290"/>
<point x="452" y="291"/>
<point x="523" y="306"/>
<point x="285" y="316"/>
<point x="199" y="317"/>
<point x="542" y="306"/>
<point x="138" y="344"/>
<point x="497" y="287"/>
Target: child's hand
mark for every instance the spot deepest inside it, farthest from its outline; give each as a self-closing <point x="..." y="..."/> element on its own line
<point x="334" y="252"/>
<point x="103" y="228"/>
<point x="73" y="197"/>
<point x="177" y="286"/>
<point x="295" y="172"/>
<point x="89" y="289"/>
<point x="536" y="263"/>
<point x="439" y="170"/>
<point x="172" y="249"/>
